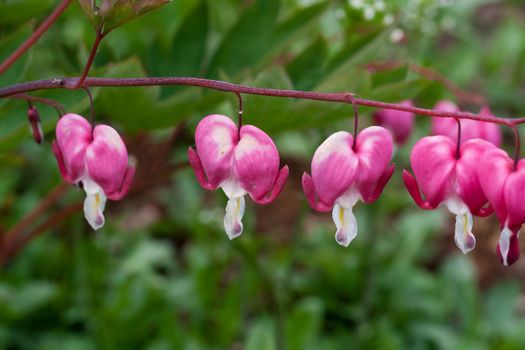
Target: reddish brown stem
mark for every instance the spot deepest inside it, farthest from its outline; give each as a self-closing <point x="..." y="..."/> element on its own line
<point x="517" y="141"/>
<point x="70" y="83"/>
<point x="356" y="119"/>
<point x="9" y="61"/>
<point x="100" y="35"/>
<point x="458" y="139"/>
<point x="239" y="98"/>
<point x="52" y="103"/>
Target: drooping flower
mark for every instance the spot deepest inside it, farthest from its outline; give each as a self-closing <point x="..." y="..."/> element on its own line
<point x="503" y="184"/>
<point x="470" y="129"/>
<point x="344" y="173"/>
<point x="96" y="159"/>
<point x="240" y="162"/>
<point x="450" y="178"/>
<point x="397" y="122"/>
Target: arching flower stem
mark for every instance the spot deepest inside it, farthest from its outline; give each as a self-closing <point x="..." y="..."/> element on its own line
<point x="517" y="145"/>
<point x="458" y="143"/>
<point x="342" y="97"/>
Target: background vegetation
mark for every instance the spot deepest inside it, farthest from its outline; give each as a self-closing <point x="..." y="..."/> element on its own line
<point x="162" y="274"/>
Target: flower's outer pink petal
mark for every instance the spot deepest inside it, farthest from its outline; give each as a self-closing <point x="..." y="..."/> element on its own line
<point x="125" y="187"/>
<point x="215" y="138"/>
<point x="278" y="186"/>
<point x="374" y="148"/>
<point x="309" y="191"/>
<point x="60" y="161"/>
<point x="399" y="123"/>
<point x="73" y="135"/>
<point x="468" y="187"/>
<point x="514" y="198"/>
<point x="445" y="126"/>
<point x="196" y="164"/>
<point x="494" y="169"/>
<point x="372" y="196"/>
<point x="490" y="131"/>
<point x="256" y="161"/>
<point x="334" y="167"/>
<point x="433" y="162"/>
<point x="107" y="160"/>
<point x="511" y="253"/>
<point x="413" y="189"/>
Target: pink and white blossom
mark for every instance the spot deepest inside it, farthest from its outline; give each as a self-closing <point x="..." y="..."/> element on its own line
<point x="240" y="162"/>
<point x="503" y="184"/>
<point x="96" y="159"/>
<point x="446" y="176"/>
<point x="344" y="173"/>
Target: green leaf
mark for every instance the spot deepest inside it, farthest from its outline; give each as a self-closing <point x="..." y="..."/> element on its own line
<point x="123" y="11"/>
<point x="16" y="12"/>
<point x="188" y="48"/>
<point x="8" y="45"/>
<point x="139" y="108"/>
<point x="261" y="336"/>
<point x="303" y="324"/>
<point x="28" y="298"/>
<point x="307" y="69"/>
<point x="248" y="40"/>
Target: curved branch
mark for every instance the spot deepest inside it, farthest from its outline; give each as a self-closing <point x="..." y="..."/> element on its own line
<point x="342" y="97"/>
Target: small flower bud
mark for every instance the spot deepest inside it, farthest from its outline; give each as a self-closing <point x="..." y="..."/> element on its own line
<point x="34" y="123"/>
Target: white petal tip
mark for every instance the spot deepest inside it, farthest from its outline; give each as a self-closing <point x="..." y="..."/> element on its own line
<point x="342" y="239"/>
<point x="467" y="245"/>
<point x="235" y="232"/>
<point x="346" y="225"/>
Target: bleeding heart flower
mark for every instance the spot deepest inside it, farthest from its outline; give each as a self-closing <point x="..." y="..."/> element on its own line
<point x="344" y="173"/>
<point x="503" y="184"/>
<point x="470" y="129"/>
<point x="95" y="159"/>
<point x="239" y="162"/>
<point x="449" y="178"/>
<point x="398" y="123"/>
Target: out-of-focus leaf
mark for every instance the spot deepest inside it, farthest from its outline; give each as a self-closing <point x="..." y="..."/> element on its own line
<point x="247" y="40"/>
<point x="23" y="300"/>
<point x="186" y="55"/>
<point x="145" y="257"/>
<point x="16" y="12"/>
<point x="304" y="323"/>
<point x="8" y="44"/>
<point x="500" y="306"/>
<point x="307" y="69"/>
<point x="261" y="336"/>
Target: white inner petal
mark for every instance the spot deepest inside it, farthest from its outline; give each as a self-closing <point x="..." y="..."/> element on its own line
<point x="94" y="203"/>
<point x="463" y="236"/>
<point x="504" y="243"/>
<point x="344" y="218"/>
<point x="232" y="219"/>
<point x="232" y="188"/>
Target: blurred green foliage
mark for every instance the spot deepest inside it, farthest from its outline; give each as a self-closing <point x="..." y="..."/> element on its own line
<point x="161" y="274"/>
